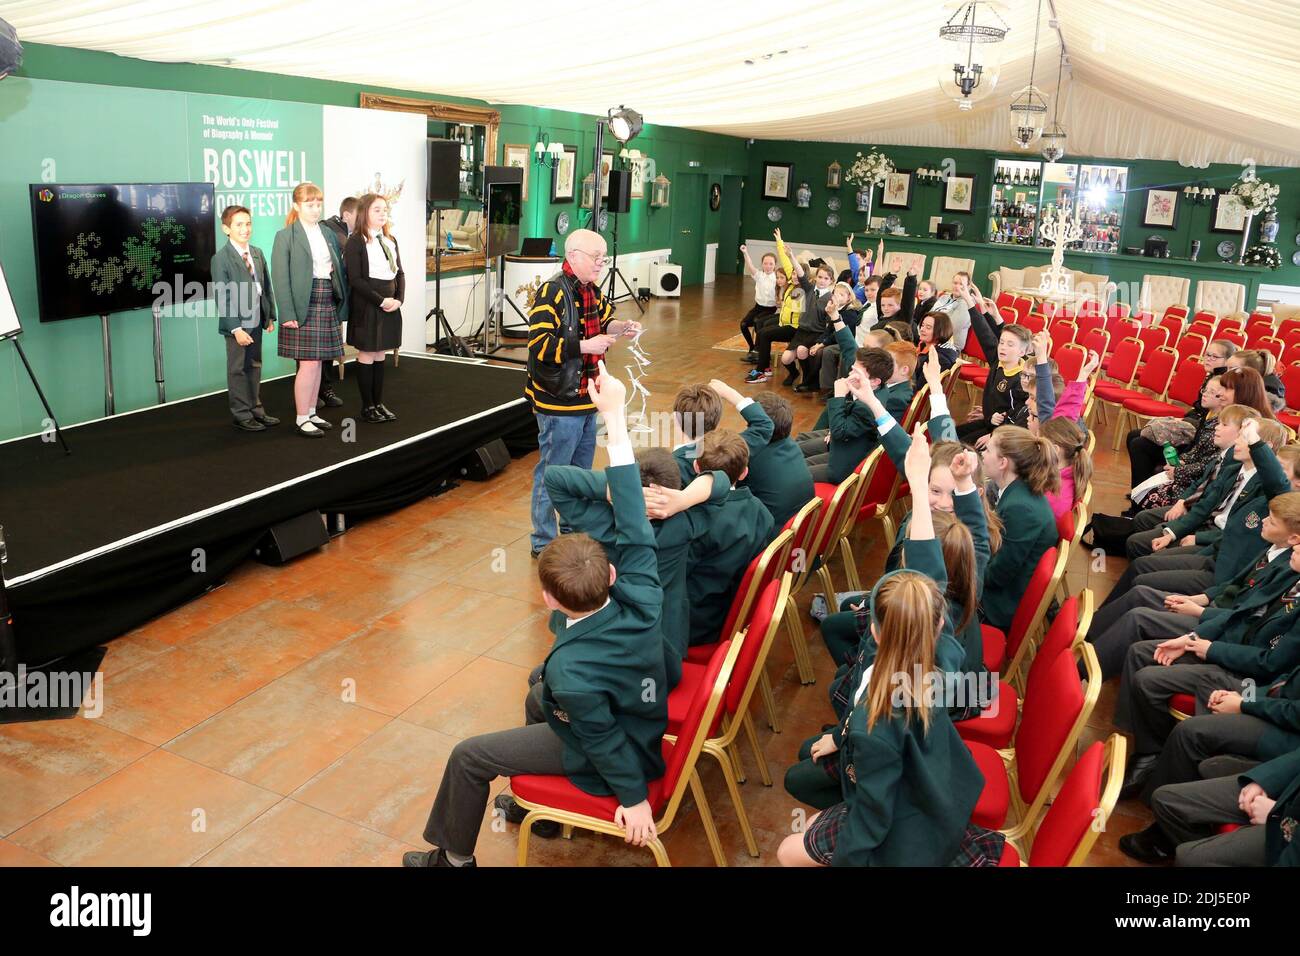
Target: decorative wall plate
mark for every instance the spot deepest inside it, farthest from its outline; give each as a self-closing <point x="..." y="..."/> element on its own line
<point x="833" y="204"/>
<point x="773" y="214"/>
<point x="833" y="220"/>
<point x="562" y="223"/>
<point x="1295" y="258"/>
<point x="892" y="223"/>
<point x="1226" y="249"/>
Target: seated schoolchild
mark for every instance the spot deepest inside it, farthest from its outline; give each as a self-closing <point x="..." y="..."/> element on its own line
<point x="1004" y="395"/>
<point x="778" y="472"/>
<point x="697" y="410"/>
<point x="853" y="433"/>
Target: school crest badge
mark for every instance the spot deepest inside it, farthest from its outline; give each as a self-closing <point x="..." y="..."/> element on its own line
<point x="561" y="715"/>
<point x="1252" y="521"/>
<point x="1287" y="825"/>
<point x="850" y="773"/>
<point x="1002" y="385"/>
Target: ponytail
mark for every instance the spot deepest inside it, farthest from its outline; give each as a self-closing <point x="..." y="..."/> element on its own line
<point x="942" y="453"/>
<point x="1032" y="457"/>
<point x="1071" y="451"/>
<point x="908" y="611"/>
<point x="959" y="559"/>
<point x="301" y="193"/>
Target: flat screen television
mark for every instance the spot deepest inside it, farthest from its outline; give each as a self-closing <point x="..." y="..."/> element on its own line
<point x="505" y="208"/>
<point x="101" y="247"/>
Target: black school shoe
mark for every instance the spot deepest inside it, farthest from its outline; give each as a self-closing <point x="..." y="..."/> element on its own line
<point x="270" y="421"/>
<point x="249" y="425"/>
<point x="373" y="415"/>
<point x="436" y="857"/>
<point x="328" y="397"/>
<point x="388" y="413"/>
<point x="1151" y="846"/>
<point x="1135" y="780"/>
<point x="805" y="387"/>
<point x="514" y="813"/>
<point x="750" y="359"/>
<point x="789" y="379"/>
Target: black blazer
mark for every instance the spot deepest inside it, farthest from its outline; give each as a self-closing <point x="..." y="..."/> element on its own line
<point x="365" y="295"/>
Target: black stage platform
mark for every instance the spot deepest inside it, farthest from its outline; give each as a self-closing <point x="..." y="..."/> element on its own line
<point x="103" y="539"/>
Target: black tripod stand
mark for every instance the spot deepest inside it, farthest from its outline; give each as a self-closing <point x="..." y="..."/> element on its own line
<point x="616" y="273"/>
<point x="454" y="344"/>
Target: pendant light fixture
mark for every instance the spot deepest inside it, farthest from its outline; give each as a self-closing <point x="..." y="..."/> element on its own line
<point x="1029" y="105"/>
<point x="976" y="29"/>
<point x="1054" y="135"/>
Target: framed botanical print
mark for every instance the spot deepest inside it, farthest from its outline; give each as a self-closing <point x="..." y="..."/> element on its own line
<point x="564" y="175"/>
<point x="520" y="157"/>
<point x="1161" y="208"/>
<point x="896" y="193"/>
<point x="637" y="169"/>
<point x="776" y="181"/>
<point x="959" y="193"/>
<point x="606" y="164"/>
<point x="1229" y="214"/>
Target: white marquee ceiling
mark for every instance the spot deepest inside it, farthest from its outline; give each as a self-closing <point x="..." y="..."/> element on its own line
<point x="1192" y="80"/>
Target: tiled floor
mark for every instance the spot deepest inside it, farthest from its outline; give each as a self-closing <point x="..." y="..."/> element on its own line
<point x="302" y="716"/>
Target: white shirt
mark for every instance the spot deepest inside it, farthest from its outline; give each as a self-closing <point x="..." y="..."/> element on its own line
<point x="246" y="256"/>
<point x="765" y="288"/>
<point x="379" y="267"/>
<point x="1274" y="551"/>
<point x="570" y="621"/>
<point x="322" y="266"/>
<point x="1221" y="519"/>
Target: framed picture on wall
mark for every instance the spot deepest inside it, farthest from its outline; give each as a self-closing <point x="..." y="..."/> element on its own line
<point x="563" y="175"/>
<point x="1161" y="208"/>
<point x="896" y="193"/>
<point x="520" y="157"/>
<point x="959" y="193"/>
<point x="1229" y="214"/>
<point x="606" y="164"/>
<point x="776" y="180"/>
<point x="636" y="168"/>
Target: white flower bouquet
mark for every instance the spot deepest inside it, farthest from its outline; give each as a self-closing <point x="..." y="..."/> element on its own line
<point x="870" y="170"/>
<point x="1255" y="194"/>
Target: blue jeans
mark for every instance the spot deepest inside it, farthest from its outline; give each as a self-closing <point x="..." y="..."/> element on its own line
<point x="564" y="440"/>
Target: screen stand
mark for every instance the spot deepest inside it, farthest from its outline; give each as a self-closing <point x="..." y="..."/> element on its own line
<point x="108" y="364"/>
<point x="58" y="432"/>
<point x="493" y="317"/>
<point x="158" y="355"/>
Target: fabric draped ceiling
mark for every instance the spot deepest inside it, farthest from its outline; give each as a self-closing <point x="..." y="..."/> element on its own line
<point x="1196" y="81"/>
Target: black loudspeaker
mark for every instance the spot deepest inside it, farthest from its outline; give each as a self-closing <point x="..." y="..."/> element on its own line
<point x="484" y="462"/>
<point x="444" y="171"/>
<point x="288" y="539"/>
<point x="620" y="190"/>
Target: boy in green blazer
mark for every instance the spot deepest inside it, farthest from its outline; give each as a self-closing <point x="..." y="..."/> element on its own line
<point x="599" y="712"/>
<point x="697" y="411"/>
<point x="245" y="301"/>
<point x="582" y="499"/>
<point x="778" y="472"/>
<point x="854" y="432"/>
<point x="739" y="528"/>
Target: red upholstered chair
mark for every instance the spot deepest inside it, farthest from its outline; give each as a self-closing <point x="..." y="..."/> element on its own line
<point x="975" y="372"/>
<point x="1062" y="333"/>
<point x="1172" y="325"/>
<point x="723" y="738"/>
<point x="1152" y="382"/>
<point x="807" y="528"/>
<point x="1018" y="642"/>
<point x="1008" y="314"/>
<point x="1271" y="344"/>
<point x="840" y="505"/>
<point x="1152" y="338"/>
<point x="1034" y="322"/>
<point x="1190" y="346"/>
<point x="1290" y="376"/>
<point x="1023" y="306"/>
<point x="1288" y="327"/>
<point x="1203" y="329"/>
<point x="554" y="797"/>
<point x="1004" y="299"/>
<point x="1120" y="329"/>
<point x="1235" y="336"/>
<point x="1182" y="706"/>
<point x="1290" y="355"/>
<point x="1078" y="814"/>
<point x="1118" y="383"/>
<point x="1184" y="389"/>
<point x="1069" y="359"/>
<point x="1096" y="339"/>
<point x="1257" y="333"/>
<point x="1087" y="323"/>
<point x="1053" y="717"/>
<point x="996" y="725"/>
<point x="1093" y="307"/>
<point x="1145" y="317"/>
<point x="1229" y="322"/>
<point x="1177" y="311"/>
<point x="1070" y="546"/>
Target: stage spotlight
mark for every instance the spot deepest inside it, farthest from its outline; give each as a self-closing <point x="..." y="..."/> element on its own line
<point x="625" y="124"/>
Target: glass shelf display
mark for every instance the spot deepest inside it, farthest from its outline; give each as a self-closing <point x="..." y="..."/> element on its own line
<point x="1014" y="203"/>
<point x="1099" y="207"/>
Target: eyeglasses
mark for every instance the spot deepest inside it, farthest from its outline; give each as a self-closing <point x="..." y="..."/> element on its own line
<point x="598" y="260"/>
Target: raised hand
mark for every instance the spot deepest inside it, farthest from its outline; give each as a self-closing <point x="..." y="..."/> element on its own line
<point x="917" y="463"/>
<point x="607" y="392"/>
<point x="1089" y="366"/>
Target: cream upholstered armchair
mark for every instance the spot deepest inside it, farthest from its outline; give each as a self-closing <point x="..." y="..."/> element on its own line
<point x="1160" y="292"/>
<point x="899" y="262"/>
<point x="1222" y="298"/>
<point x="943" y="268"/>
<point x="1283" y="311"/>
<point x="1004" y="279"/>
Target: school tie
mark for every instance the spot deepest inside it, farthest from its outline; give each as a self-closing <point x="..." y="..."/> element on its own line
<point x="388" y="253"/>
<point x="248" y="261"/>
<point x="1230" y="497"/>
<point x="1260" y="565"/>
<point x="1214" y="473"/>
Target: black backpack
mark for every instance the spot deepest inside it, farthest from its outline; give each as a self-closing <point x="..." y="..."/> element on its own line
<point x="1109" y="532"/>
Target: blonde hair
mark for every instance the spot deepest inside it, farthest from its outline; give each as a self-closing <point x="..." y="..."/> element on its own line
<point x="301" y="193"/>
<point x="909" y="611"/>
<point x="1285" y="509"/>
<point x="1236" y="415"/>
<point x="1071" y="451"/>
<point x="363" y="216"/>
<point x="1033" y="457"/>
<point x="941" y="455"/>
<point x="1273" y="432"/>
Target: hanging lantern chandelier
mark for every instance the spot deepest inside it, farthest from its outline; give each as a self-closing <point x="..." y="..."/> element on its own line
<point x="1054" y="135"/>
<point x="976" y="29"/>
<point x="1029" y="105"/>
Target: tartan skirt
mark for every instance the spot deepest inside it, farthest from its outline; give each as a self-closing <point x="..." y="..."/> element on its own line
<point x="979" y="847"/>
<point x="317" y="338"/>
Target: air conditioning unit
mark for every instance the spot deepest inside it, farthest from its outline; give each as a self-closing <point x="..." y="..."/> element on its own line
<point x="666" y="280"/>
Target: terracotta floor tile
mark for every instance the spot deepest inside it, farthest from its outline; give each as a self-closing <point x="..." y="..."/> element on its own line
<point x="162" y="810"/>
<point x="386" y="783"/>
<point x="275" y="636"/>
<point x="357" y="592"/>
<point x="13" y="855"/>
<point x="278" y="737"/>
<point x="435" y="554"/>
<point x="126" y="652"/>
<point x="290" y="834"/>
<point x="485" y="696"/>
<point x="45" y="763"/>
<point x="516" y="577"/>
<point x="528" y="644"/>
<point x="381" y="668"/>
<point x="462" y="618"/>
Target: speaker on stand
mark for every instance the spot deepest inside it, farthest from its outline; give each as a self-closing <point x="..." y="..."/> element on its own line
<point x="620" y="201"/>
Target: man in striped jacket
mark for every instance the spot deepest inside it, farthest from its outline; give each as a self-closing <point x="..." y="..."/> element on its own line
<point x="570" y="328"/>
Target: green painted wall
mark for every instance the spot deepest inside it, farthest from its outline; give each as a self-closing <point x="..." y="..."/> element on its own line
<point x="1192" y="222"/>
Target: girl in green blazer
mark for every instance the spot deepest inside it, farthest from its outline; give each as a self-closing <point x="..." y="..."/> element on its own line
<point x="909" y="783"/>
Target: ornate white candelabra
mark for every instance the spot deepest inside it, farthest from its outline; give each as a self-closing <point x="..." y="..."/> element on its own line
<point x="1059" y="233"/>
<point x="637" y="420"/>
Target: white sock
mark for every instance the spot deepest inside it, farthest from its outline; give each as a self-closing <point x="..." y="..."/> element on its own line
<point x="302" y="419"/>
<point x="455" y="859"/>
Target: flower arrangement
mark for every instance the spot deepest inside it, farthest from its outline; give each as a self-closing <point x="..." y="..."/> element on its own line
<point x="1263" y="254"/>
<point x="1255" y="194"/>
<point x="870" y="170"/>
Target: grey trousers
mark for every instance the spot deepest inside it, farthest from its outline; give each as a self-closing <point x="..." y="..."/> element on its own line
<point x="457" y="812"/>
<point x="815" y="446"/>
<point x="830" y="369"/>
<point x="244" y="376"/>
<point x="1196" y="569"/>
<point x="806" y="436"/>
<point x="1139" y="616"/>
<point x="1198" y="738"/>
<point x="1190" y="812"/>
<point x="1145" y="688"/>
